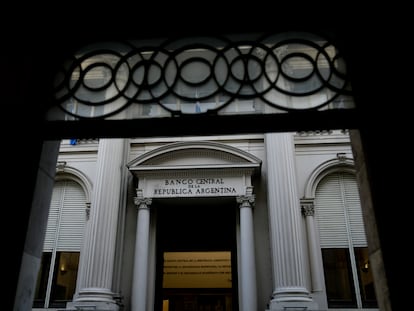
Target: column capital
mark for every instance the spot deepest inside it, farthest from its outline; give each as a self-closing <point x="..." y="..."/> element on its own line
<point x="248" y="199"/>
<point x="88" y="210"/>
<point x="141" y="201"/>
<point x="307" y="206"/>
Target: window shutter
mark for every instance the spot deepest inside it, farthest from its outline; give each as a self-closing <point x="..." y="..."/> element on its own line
<point x="73" y="218"/>
<point x="354" y="210"/>
<point x="66" y="217"/>
<point x="53" y="218"/>
<point x="338" y="212"/>
<point x="329" y="213"/>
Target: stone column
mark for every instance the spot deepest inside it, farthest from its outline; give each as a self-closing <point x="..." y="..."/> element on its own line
<point x="140" y="276"/>
<point x="247" y="252"/>
<point x="315" y="259"/>
<point x="285" y="225"/>
<point x="98" y="254"/>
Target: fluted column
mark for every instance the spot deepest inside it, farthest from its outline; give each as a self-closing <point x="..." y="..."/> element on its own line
<point x="98" y="254"/>
<point x="308" y="211"/>
<point x="285" y="224"/>
<point x="247" y="252"/>
<point x="140" y="276"/>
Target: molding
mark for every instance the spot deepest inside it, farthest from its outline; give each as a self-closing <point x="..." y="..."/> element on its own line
<point x="194" y="170"/>
<point x="64" y="172"/>
<point x="234" y="161"/>
<point x="340" y="164"/>
<point x="234" y="137"/>
<point x="189" y="145"/>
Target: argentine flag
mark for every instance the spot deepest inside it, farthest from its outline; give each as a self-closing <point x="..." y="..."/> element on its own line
<point x="197" y="107"/>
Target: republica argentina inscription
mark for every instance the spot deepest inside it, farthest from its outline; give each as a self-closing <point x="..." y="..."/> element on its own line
<point x="195" y="187"/>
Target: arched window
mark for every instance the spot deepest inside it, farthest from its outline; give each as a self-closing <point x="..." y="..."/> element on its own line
<point x="348" y="277"/>
<point x="56" y="283"/>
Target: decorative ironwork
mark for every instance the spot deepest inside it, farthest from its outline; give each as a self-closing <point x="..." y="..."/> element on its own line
<point x="276" y="73"/>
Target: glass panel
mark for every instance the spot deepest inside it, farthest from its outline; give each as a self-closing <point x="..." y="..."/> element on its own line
<point x="41" y="285"/>
<point x="338" y="278"/>
<point x="64" y="279"/>
<point x="366" y="281"/>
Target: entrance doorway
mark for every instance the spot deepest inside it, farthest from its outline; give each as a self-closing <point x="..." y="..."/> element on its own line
<point x="196" y="255"/>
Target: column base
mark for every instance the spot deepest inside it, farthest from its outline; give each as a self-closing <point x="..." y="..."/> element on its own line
<point x="94" y="299"/>
<point x="292" y="299"/>
<point x="292" y="306"/>
<point x="92" y="306"/>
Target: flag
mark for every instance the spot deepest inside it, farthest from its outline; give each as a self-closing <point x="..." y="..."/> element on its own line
<point x="197" y="107"/>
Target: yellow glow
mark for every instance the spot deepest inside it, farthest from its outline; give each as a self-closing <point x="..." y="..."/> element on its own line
<point x="197" y="270"/>
<point x="165" y="305"/>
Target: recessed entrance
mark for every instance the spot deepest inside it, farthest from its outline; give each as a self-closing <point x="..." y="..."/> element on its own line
<point x="196" y="255"/>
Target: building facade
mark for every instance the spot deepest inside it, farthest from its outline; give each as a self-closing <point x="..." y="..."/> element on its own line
<point x="238" y="222"/>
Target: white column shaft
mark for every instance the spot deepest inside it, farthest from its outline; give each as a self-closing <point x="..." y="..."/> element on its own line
<point x="140" y="276"/>
<point x="248" y="287"/>
<point x="314" y="255"/>
<point x="284" y="216"/>
<point x="98" y="254"/>
<point x="315" y="258"/>
<point x="248" y="264"/>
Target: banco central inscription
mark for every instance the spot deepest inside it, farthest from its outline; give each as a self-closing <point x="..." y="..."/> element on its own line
<point x="195" y="187"/>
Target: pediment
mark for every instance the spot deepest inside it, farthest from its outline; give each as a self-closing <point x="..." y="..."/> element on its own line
<point x="194" y="155"/>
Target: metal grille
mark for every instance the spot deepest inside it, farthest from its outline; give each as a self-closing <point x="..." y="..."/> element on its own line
<point x="229" y="75"/>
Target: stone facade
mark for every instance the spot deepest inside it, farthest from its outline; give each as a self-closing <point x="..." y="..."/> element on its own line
<point x="271" y="178"/>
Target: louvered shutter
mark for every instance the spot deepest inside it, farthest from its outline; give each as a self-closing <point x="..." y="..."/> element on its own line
<point x="354" y="211"/>
<point x="66" y="217"/>
<point x="338" y="212"/>
<point x="72" y="221"/>
<point x="329" y="213"/>
<point x="53" y="218"/>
